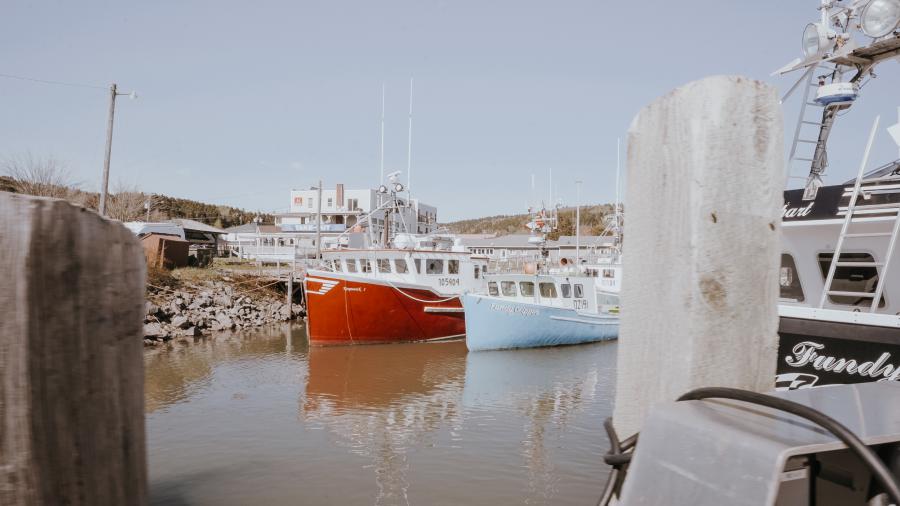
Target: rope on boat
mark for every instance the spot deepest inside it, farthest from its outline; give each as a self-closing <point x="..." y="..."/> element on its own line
<point x="417" y="299"/>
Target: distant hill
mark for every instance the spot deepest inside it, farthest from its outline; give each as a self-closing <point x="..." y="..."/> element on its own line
<point x="593" y="222"/>
<point x="129" y="205"/>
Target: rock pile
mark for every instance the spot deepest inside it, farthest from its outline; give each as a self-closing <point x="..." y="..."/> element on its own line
<point x="202" y="310"/>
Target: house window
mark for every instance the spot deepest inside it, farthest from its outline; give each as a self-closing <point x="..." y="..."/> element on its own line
<point x="484" y="269"/>
<point x="434" y="266"/>
<point x="509" y="288"/>
<point x="548" y="290"/>
<point x="477" y="271"/>
<point x="366" y="265"/>
<point x="330" y="201"/>
<point x="609" y="273"/>
<point x="852" y="278"/>
<point x="492" y="288"/>
<point x="351" y="265"/>
<point x="400" y="266"/>
<point x="453" y="266"/>
<point x="789" y="281"/>
<point x="384" y="265"/>
<point x="309" y="203"/>
<point x="579" y="291"/>
<point x="353" y="204"/>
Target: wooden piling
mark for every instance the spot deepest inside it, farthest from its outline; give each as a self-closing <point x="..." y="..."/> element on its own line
<point x="71" y="362"/>
<point x="702" y="254"/>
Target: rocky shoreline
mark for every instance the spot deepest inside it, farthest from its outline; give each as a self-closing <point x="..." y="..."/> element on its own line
<point x="194" y="310"/>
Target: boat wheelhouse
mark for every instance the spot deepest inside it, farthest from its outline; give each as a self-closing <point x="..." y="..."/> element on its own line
<point x="531" y="310"/>
<point x="399" y="294"/>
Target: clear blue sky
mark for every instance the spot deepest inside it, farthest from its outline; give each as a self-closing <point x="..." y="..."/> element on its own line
<point x="241" y="101"/>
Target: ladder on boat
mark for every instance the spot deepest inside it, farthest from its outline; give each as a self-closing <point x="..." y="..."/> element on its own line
<point x="816" y="115"/>
<point x="855" y="212"/>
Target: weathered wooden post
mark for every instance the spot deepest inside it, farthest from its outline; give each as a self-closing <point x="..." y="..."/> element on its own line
<point x="71" y="365"/>
<point x="701" y="261"/>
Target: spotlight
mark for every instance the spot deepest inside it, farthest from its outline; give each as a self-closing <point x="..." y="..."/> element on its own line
<point x="880" y="17"/>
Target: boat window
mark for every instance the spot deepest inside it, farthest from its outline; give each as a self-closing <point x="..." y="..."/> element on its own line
<point x="509" y="288"/>
<point x="852" y="278"/>
<point x="453" y="266"/>
<point x="434" y="266"/>
<point x="384" y="265"/>
<point x="527" y="288"/>
<point x="492" y="288"/>
<point x="566" y="290"/>
<point x="336" y="265"/>
<point x="579" y="291"/>
<point x="366" y="265"/>
<point x="400" y="266"/>
<point x="476" y="272"/>
<point x="609" y="273"/>
<point x="418" y="266"/>
<point x="351" y="265"/>
<point x="788" y="279"/>
<point x="548" y="290"/>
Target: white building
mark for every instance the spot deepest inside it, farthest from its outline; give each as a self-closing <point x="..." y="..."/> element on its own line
<point x="343" y="209"/>
<point x="294" y="232"/>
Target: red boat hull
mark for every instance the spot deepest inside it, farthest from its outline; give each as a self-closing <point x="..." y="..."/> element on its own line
<point x="344" y="310"/>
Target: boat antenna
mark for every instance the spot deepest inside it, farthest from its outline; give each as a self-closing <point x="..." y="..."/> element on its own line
<point x="409" y="152"/>
<point x="381" y="174"/>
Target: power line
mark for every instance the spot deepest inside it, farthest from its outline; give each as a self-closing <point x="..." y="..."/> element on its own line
<point x="45" y="81"/>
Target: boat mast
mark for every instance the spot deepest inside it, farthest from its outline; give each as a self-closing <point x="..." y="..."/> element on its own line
<point x="409" y="157"/>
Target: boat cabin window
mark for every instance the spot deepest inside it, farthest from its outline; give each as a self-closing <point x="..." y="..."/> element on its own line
<point x="526" y="288"/>
<point x="351" y="265"/>
<point x="434" y="266"/>
<point x="492" y="288"/>
<point x="366" y="265"/>
<point x="384" y="265"/>
<point x="453" y="266"/>
<point x="566" y="290"/>
<point x="509" y="288"/>
<point x="548" y="290"/>
<point x="789" y="281"/>
<point x="579" y="291"/>
<point x="400" y="266"/>
<point x="476" y="272"/>
<point x="609" y="273"/>
<point x="418" y="266"/>
<point x="336" y="265"/>
<point x="851" y="278"/>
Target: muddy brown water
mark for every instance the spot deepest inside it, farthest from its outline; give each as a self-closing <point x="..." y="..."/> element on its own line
<point x="260" y="418"/>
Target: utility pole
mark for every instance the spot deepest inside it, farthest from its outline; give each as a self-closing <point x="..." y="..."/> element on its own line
<point x="319" y="224"/>
<point x="104" y="187"/>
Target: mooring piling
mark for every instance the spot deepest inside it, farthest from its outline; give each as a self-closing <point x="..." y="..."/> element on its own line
<point x="706" y="171"/>
<point x="71" y="362"/>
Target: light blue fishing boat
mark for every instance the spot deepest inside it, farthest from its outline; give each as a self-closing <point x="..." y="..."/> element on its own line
<point x="532" y="310"/>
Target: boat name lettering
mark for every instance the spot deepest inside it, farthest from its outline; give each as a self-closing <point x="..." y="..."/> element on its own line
<point x="579" y="304"/>
<point x="524" y="311"/>
<point x="354" y="289"/>
<point x="794" y="212"/>
<point x="448" y="281"/>
<point x="807" y="352"/>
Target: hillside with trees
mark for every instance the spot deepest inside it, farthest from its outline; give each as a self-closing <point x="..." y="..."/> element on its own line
<point x="48" y="177"/>
<point x="594" y="220"/>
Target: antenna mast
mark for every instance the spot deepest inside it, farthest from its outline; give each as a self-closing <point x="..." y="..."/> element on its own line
<point x="409" y="150"/>
<point x="381" y="175"/>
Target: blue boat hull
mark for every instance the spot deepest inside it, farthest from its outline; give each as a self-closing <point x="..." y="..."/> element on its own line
<point x="494" y="324"/>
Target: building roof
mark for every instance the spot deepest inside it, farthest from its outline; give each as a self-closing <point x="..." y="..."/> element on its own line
<point x="197" y="226"/>
<point x="503" y="241"/>
<point x="586" y="241"/>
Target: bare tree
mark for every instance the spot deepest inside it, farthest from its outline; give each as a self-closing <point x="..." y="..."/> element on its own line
<point x="35" y="175"/>
<point x="126" y="203"/>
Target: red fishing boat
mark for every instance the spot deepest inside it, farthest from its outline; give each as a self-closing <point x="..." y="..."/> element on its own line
<point x="409" y="292"/>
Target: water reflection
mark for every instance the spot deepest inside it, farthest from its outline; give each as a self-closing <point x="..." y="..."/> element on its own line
<point x="260" y="417"/>
<point x="383" y="400"/>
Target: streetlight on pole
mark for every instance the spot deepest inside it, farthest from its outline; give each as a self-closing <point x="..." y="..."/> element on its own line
<point x="104" y="188"/>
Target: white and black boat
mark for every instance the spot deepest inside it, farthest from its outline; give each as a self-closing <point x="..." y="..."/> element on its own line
<point x="840" y="292"/>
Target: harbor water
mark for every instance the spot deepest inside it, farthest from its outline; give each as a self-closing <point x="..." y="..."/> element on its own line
<point x="260" y="418"/>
